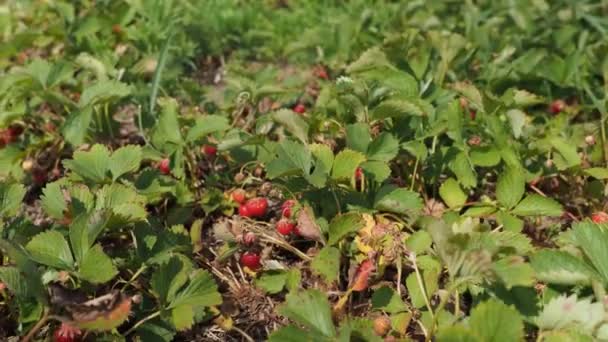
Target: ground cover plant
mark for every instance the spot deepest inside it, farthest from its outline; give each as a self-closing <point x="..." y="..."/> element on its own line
<point x="294" y="170"/>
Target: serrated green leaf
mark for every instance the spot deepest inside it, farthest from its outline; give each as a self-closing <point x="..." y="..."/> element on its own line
<point x="168" y="279"/>
<point x="103" y="91"/>
<point x="182" y="317"/>
<point x="396" y="108"/>
<point x="494" y="321"/>
<point x="536" y="205"/>
<point x="419" y="242"/>
<point x="53" y="201"/>
<point x="485" y="156"/>
<point x="558" y="267"/>
<point x="452" y="194"/>
<point x="463" y="170"/>
<point x="293" y="122"/>
<point x="378" y="171"/>
<point x="345" y="164"/>
<point x="124" y="160"/>
<point x="383" y="148"/>
<point x="358" y="137"/>
<point x="272" y="281"/>
<point x="593" y="241"/>
<point x="388" y="300"/>
<point x="166" y="134"/>
<point x="509" y="222"/>
<point x="84" y="229"/>
<point x="200" y="291"/>
<point x="50" y="248"/>
<point x="517" y="119"/>
<point x="566" y="155"/>
<point x="291" y="333"/>
<point x="207" y="125"/>
<point x="11" y="277"/>
<point x="398" y="200"/>
<point x="92" y="165"/>
<point x="597" y="172"/>
<point x="472" y="94"/>
<point x="96" y="267"/>
<point x="514" y="271"/>
<point x="310" y="309"/>
<point x="77" y="125"/>
<point x="11" y="196"/>
<point x="343" y="225"/>
<point x="457" y="334"/>
<point x="292" y="158"/>
<point x="327" y="264"/>
<point x="510" y="187"/>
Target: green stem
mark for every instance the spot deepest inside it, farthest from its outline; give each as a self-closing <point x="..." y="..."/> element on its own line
<point x="142" y="321"/>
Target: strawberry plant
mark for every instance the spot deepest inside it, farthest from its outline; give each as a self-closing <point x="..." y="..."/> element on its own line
<point x="303" y="170"/>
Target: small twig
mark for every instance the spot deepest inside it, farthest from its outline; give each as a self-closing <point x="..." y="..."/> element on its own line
<point x="38" y="325"/>
<point x="142" y="321"/>
<point x="244" y="334"/>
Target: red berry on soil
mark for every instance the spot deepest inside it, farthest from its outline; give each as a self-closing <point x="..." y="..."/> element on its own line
<point x="285" y="227"/>
<point x="244" y="210"/>
<point x="286" y="207"/>
<point x="299" y="108"/>
<point x="358" y="174"/>
<point x="251" y="260"/>
<point x="66" y="333"/>
<point x="15" y="130"/>
<point x="557" y="106"/>
<point x="209" y="150"/>
<point x="599" y="217"/>
<point x="257" y="206"/>
<point x="321" y="73"/>
<point x="163" y="166"/>
<point x="238" y="196"/>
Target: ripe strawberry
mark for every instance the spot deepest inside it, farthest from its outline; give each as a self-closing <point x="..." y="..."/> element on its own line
<point x="244" y="210"/>
<point x="358" y="174"/>
<point x="557" y="106"/>
<point x="164" y="167"/>
<point x="286" y="208"/>
<point x="66" y="333"/>
<point x="599" y="217"/>
<point x="299" y="108"/>
<point x="238" y="196"/>
<point x="250" y="260"/>
<point x="473" y="114"/>
<point x="257" y="206"/>
<point x="116" y="29"/>
<point x="320" y="72"/>
<point x="285" y="227"/>
<point x="39" y="177"/>
<point x="209" y="150"/>
<point x="14" y="131"/>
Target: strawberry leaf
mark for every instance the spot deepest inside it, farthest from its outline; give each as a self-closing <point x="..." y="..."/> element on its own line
<point x="96" y="267"/>
<point x="50" y="248"/>
<point x="310" y="309"/>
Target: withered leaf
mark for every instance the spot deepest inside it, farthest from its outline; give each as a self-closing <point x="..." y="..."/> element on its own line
<point x="307" y="226"/>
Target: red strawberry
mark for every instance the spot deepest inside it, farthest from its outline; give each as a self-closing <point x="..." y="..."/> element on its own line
<point x="320" y="72"/>
<point x="286" y="208"/>
<point x="557" y="106"/>
<point x="257" y="206"/>
<point x="209" y="150"/>
<point x="14" y="131"/>
<point x="473" y="114"/>
<point x="117" y="29"/>
<point x="66" y="333"/>
<point x="39" y="177"/>
<point x="251" y="260"/>
<point x="285" y="227"/>
<point x="299" y="108"/>
<point x="599" y="217"/>
<point x="244" y="210"/>
<point x="238" y="196"/>
<point x="164" y="167"/>
<point x="358" y="174"/>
